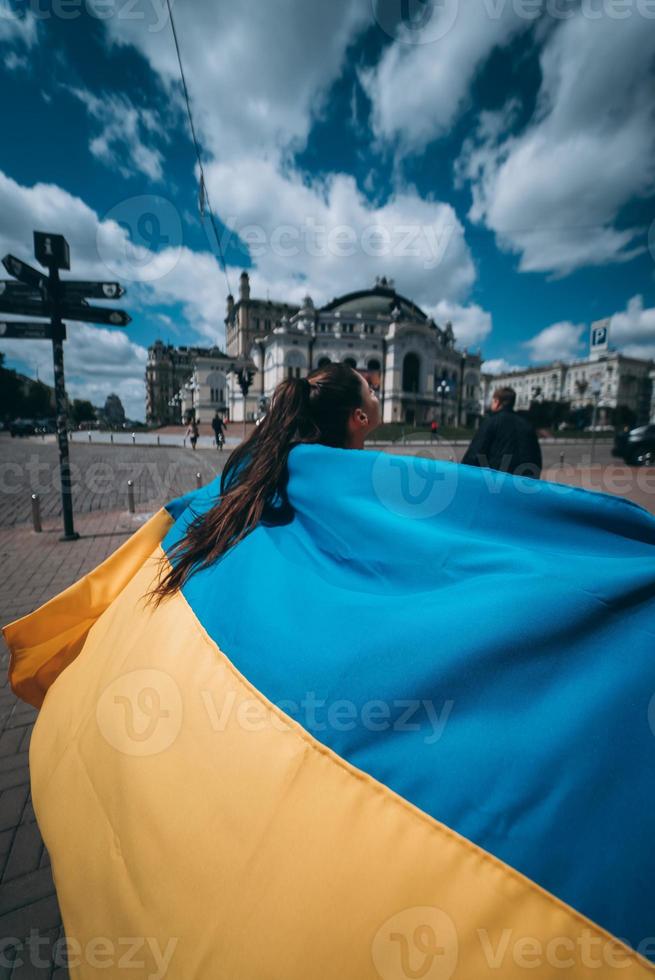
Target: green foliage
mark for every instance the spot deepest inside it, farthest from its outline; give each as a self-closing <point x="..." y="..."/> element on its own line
<point x="82" y="411"/>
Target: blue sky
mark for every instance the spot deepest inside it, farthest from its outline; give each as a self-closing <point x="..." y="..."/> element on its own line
<point x="495" y="158"/>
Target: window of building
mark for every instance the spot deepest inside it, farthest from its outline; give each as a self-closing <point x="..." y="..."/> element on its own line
<point x="411" y="368"/>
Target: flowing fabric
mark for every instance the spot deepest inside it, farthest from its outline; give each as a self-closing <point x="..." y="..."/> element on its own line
<point x="409" y="733"/>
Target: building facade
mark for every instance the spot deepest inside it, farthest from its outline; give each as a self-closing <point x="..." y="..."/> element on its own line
<point x="169" y="370"/>
<point x="614" y="379"/>
<point x="419" y="373"/>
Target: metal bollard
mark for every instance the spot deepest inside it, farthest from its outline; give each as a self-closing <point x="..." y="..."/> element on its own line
<point x="561" y="459"/>
<point x="130" y="496"/>
<point x="89" y="437"/>
<point x="198" y="480"/>
<point x="133" y="439"/>
<point x="111" y="438"/>
<point x="158" y="441"/>
<point x="36" y="513"/>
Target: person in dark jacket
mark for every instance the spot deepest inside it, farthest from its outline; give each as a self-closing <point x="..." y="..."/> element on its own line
<point x="505" y="441"/>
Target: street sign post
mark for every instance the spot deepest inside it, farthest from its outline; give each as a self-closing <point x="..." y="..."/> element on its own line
<point x="25" y="330"/>
<point x="75" y="290"/>
<point x="37" y="295"/>
<point x="51" y="251"/>
<point x="24" y="273"/>
<point x="94" y="314"/>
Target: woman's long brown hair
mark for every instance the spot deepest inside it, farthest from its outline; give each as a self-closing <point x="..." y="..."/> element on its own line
<point x="254" y="480"/>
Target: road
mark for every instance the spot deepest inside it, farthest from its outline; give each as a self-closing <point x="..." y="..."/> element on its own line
<point x="100" y="473"/>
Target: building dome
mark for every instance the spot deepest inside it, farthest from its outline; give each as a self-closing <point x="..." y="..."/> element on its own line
<point x="382" y="299"/>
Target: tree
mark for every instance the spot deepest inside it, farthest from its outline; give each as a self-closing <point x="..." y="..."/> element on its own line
<point x="11" y="393"/>
<point x="114" y="411"/>
<point x="82" y="411"/>
<point x="38" y="401"/>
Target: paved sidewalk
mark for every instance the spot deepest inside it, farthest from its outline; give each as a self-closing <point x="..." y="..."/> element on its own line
<point x="36" y="567"/>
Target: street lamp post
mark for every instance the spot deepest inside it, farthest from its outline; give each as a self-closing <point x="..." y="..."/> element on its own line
<point x="443" y="389"/>
<point x="245" y="377"/>
<point x="595" y="390"/>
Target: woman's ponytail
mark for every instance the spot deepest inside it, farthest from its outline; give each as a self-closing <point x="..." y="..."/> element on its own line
<point x="254" y="481"/>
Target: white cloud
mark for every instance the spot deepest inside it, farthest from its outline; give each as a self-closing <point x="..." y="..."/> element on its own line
<point x="101" y="360"/>
<point x="97" y="362"/>
<point x="499" y="365"/>
<point x="325" y="237"/>
<point x="633" y="330"/>
<point x="257" y="72"/>
<point x="14" y="27"/>
<point x="471" y="324"/>
<point x="553" y="193"/>
<point x="271" y="66"/>
<point x="125" y="132"/>
<point x="420" y="86"/>
<point x="558" y="342"/>
<point x="14" y="62"/>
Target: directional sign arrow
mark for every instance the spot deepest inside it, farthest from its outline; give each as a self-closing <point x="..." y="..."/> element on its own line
<point x="93" y="314"/>
<point x="25" y="330"/>
<point x="23" y="307"/>
<point x="26" y="273"/>
<point x="72" y="290"/>
<point x="10" y="289"/>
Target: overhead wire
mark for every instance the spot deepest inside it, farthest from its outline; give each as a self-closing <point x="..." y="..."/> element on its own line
<point x="204" y="193"/>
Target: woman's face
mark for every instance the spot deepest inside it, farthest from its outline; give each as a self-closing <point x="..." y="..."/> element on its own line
<point x="370" y="407"/>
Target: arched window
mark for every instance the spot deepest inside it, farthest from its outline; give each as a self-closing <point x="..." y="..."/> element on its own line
<point x="295" y="363"/>
<point x="351" y="361"/>
<point x="323" y="362"/>
<point x="373" y="364"/>
<point x="411" y="370"/>
<point x="217" y="382"/>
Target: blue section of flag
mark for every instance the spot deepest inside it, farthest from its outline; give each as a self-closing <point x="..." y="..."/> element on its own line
<point x="482" y="644"/>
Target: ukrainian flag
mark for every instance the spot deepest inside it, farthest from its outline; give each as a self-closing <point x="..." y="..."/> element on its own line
<point x="410" y="734"/>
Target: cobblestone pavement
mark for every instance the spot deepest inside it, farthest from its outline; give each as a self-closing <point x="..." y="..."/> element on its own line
<point x="99" y="475"/>
<point x="37" y="566"/>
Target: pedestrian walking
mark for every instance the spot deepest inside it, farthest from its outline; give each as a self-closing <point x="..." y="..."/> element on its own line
<point x="505" y="441"/>
<point x="192" y="433"/>
<point x="218" y="425"/>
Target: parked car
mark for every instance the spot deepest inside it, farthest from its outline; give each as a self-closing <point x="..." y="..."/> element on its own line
<point x="21" y="427"/>
<point x="636" y="446"/>
<point x="45" y="427"/>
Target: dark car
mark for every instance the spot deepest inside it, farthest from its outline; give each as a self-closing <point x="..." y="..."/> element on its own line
<point x="45" y="427"/>
<point x="636" y="447"/>
<point x="21" y="427"/>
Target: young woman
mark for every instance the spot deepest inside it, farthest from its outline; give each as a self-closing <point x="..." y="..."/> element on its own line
<point x="192" y="433"/>
<point x="334" y="406"/>
<point x="386" y="717"/>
